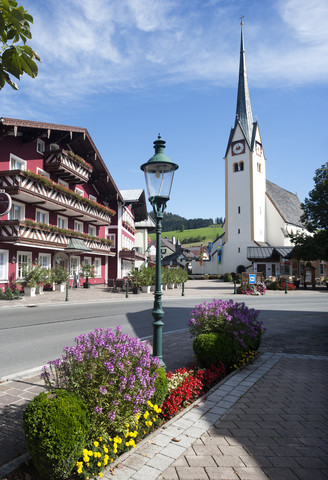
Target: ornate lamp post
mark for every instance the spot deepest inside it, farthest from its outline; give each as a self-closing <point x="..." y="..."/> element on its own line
<point x="159" y="172"/>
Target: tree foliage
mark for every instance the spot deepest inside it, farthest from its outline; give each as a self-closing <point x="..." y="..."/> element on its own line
<point x="15" y="59"/>
<point x="172" y="221"/>
<point x="315" y="219"/>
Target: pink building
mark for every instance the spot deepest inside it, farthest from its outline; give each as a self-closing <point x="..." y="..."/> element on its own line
<point x="64" y="201"/>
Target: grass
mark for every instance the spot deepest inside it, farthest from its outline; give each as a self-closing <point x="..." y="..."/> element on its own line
<point x="207" y="234"/>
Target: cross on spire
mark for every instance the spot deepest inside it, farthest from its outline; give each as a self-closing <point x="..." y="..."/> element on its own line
<point x="241" y="20"/>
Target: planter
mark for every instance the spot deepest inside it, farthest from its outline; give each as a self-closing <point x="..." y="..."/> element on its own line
<point x="135" y="290"/>
<point x="152" y="288"/>
<point x="170" y="286"/>
<point x="29" y="291"/>
<point x="145" y="288"/>
<point x="60" y="287"/>
<point x="86" y="285"/>
<point x="39" y="289"/>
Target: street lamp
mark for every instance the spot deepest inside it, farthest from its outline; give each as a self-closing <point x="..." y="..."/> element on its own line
<point x="159" y="172"/>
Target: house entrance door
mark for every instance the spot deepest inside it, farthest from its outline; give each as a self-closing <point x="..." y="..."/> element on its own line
<point x="261" y="268"/>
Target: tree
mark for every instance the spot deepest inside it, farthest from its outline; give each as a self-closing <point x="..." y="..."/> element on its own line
<point x="315" y="220"/>
<point x="15" y="59"/>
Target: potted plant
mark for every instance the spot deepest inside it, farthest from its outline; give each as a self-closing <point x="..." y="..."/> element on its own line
<point x="60" y="277"/>
<point x="87" y="271"/>
<point x="136" y="279"/>
<point x="29" y="281"/>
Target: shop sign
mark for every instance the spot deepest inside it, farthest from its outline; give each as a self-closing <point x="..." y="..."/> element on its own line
<point x="5" y="203"/>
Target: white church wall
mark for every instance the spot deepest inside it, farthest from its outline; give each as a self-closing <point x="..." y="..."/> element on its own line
<point x="258" y="179"/>
<point x="274" y="225"/>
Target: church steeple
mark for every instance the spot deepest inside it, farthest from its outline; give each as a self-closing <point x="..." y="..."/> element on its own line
<point x="244" y="110"/>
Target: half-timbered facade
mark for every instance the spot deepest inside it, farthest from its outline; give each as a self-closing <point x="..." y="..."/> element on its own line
<point x="61" y="190"/>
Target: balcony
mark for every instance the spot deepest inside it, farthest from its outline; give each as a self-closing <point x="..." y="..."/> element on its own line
<point x="68" y="166"/>
<point x="31" y="188"/>
<point x="132" y="255"/>
<point x="34" y="234"/>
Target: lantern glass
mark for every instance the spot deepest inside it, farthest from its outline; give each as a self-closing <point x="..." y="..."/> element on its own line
<point x="159" y="178"/>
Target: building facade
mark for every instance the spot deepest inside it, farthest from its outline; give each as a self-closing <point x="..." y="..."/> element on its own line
<point x="61" y="191"/>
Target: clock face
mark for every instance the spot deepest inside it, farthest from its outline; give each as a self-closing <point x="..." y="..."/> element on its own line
<point x="238" y="148"/>
<point x="258" y="148"/>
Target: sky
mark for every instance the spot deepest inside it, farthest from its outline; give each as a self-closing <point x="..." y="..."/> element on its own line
<point x="129" y="69"/>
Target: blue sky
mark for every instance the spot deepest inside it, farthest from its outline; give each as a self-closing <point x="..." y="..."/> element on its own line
<point x="129" y="69"/>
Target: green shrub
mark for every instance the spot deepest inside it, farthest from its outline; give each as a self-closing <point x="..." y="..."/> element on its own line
<point x="8" y="294"/>
<point x="273" y="286"/>
<point x="56" y="426"/>
<point x="212" y="348"/>
<point x="227" y="277"/>
<point x="2" y="295"/>
<point x="161" y="387"/>
<point x="16" y="293"/>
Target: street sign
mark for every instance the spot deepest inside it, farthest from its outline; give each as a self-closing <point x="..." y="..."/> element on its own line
<point x="252" y="278"/>
<point x="5" y="203"/>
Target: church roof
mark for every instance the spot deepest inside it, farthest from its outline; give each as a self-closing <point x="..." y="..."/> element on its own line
<point x="244" y="110"/>
<point x="268" y="253"/>
<point x="287" y="203"/>
<point x="244" y="115"/>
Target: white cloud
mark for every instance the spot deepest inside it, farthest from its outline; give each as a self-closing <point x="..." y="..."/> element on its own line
<point x="92" y="46"/>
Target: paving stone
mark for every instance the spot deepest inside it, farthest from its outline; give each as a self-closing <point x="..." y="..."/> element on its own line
<point x="281" y="473"/>
<point x="195" y="473"/>
<point x="221" y="473"/>
<point x="251" y="473"/>
<point x="206" y="449"/>
<point x="145" y="472"/>
<point x="161" y="462"/>
<point x="310" y="473"/>
<point x="173" y="451"/>
<point x="169" y="474"/>
<point x="135" y="461"/>
<point x="200" y="461"/>
<point x="228" y="460"/>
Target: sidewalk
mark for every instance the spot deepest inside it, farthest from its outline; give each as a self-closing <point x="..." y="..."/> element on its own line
<point x="266" y="421"/>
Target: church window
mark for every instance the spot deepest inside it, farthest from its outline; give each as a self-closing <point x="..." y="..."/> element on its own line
<point x="259" y="167"/>
<point x="235" y="167"/>
<point x="241" y="166"/>
<point x="238" y="230"/>
<point x="238" y="249"/>
<point x="238" y="209"/>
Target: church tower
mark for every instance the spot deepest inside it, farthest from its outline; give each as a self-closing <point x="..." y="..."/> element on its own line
<point x="245" y="181"/>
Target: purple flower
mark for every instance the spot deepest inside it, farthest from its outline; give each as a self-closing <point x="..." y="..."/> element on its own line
<point x="111" y="416"/>
<point x="98" y="410"/>
<point x="103" y="389"/>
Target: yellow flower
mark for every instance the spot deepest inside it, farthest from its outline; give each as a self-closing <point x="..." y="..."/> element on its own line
<point x="100" y="439"/>
<point x="100" y="475"/>
<point x="96" y="444"/>
<point x="85" y="452"/>
<point x="105" y="449"/>
<point x="90" y="453"/>
<point x="86" y="459"/>
<point x="99" y="464"/>
<point x="146" y="415"/>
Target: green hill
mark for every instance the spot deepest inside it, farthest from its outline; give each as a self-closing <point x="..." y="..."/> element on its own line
<point x="194" y="236"/>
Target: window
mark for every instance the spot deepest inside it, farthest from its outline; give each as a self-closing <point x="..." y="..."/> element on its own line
<point x="87" y="260"/>
<point x="45" y="260"/>
<point x="97" y="264"/>
<point x="259" y="167"/>
<point x="23" y="259"/>
<point x="238" y="209"/>
<point x="62" y="222"/>
<point x="92" y="197"/>
<point x="235" y="167"/>
<point x="79" y="191"/>
<point x="41" y="216"/>
<point x="111" y="236"/>
<point x="17" y="211"/>
<point x="74" y="266"/>
<point x="322" y="267"/>
<point x="238" y="249"/>
<point x="54" y="146"/>
<point x="40" y="146"/>
<point x="78" y="226"/>
<point x="285" y="269"/>
<point x="17" y="163"/>
<point x="238" y="230"/>
<point x="241" y="166"/>
<point x="63" y="183"/>
<point x="4" y="265"/>
<point x="92" y="230"/>
<point x="42" y="172"/>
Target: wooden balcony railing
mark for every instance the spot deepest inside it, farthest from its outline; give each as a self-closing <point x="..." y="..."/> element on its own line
<point x="21" y="231"/>
<point x="29" y="187"/>
<point x="68" y="166"/>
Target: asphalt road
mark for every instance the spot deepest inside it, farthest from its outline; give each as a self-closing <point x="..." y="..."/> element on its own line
<point x="30" y="336"/>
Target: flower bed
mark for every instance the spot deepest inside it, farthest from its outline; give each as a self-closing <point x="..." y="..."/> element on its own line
<point x="119" y="382"/>
<point x="257" y="289"/>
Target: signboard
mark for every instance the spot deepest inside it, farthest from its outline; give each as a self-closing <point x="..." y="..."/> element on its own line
<point x="5" y="203"/>
<point x="252" y="278"/>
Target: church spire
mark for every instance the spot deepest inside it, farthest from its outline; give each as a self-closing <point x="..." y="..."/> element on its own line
<point x="244" y="110"/>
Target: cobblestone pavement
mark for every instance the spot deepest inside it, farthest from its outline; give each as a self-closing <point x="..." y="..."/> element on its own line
<point x="268" y="420"/>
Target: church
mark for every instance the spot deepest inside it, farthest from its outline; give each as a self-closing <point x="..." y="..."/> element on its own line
<point x="259" y="215"/>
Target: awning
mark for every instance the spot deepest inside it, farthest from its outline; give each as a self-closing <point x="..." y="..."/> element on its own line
<point x="256" y="254"/>
<point x="77" y="245"/>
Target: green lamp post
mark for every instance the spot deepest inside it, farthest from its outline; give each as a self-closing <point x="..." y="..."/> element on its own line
<point x="159" y="173"/>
